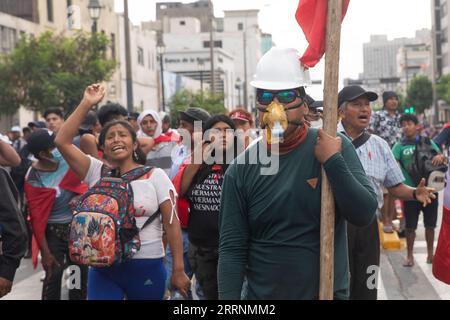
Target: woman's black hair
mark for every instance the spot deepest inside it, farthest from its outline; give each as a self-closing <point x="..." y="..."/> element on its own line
<point x="138" y="156"/>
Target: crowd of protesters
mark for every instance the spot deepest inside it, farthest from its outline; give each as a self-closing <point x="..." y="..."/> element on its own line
<point x="198" y="201"/>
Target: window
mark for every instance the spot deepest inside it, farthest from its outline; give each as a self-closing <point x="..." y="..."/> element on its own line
<point x="182" y="23"/>
<point x="240" y="26"/>
<point x="113" y="46"/>
<point x="50" y="11"/>
<point x="141" y="56"/>
<point x="8" y="39"/>
<point x="217" y="44"/>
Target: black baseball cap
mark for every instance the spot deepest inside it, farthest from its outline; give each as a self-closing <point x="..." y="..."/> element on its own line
<point x="194" y="114"/>
<point x="37" y="124"/>
<point x="40" y="140"/>
<point x="351" y="93"/>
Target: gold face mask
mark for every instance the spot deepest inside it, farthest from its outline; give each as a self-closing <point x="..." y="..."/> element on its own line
<point x="275" y="123"/>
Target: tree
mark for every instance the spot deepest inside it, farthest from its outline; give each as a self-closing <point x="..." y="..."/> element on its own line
<point x="213" y="103"/>
<point x="420" y="94"/>
<point x="52" y="71"/>
<point x="443" y="88"/>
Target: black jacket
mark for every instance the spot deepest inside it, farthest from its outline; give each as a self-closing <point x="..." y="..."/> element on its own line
<point x="12" y="228"/>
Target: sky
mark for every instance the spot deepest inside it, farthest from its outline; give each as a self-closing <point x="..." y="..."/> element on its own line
<point x="395" y="18"/>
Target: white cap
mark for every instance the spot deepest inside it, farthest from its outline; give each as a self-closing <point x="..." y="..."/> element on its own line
<point x="280" y="69"/>
<point x="16" y="129"/>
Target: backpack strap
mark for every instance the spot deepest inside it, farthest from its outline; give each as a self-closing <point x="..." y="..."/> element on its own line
<point x="137" y="173"/>
<point x="151" y="219"/>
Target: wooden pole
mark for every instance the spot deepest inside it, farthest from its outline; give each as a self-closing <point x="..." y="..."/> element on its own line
<point x="330" y="126"/>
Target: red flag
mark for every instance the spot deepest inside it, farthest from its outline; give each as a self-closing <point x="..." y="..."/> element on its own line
<point x="311" y="15"/>
<point x="182" y="203"/>
<point x="40" y="203"/>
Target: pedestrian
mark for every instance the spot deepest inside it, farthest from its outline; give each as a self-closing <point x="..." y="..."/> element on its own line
<point x="13" y="236"/>
<point x="385" y="124"/>
<point x="142" y="277"/>
<point x="201" y="185"/>
<point x="160" y="155"/>
<point x="270" y="224"/>
<point x="54" y="119"/>
<point x="50" y="187"/>
<point x="383" y="171"/>
<point x="404" y="152"/>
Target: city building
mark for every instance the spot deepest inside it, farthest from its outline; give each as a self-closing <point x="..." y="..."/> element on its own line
<point x="413" y="60"/>
<point x="237" y="40"/>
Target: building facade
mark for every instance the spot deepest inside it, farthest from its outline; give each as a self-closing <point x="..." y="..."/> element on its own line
<point x="37" y="16"/>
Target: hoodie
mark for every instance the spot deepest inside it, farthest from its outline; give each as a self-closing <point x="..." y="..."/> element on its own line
<point x="161" y="155"/>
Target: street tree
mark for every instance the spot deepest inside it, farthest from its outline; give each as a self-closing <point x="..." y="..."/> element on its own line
<point x="52" y="71"/>
<point x="443" y="88"/>
<point x="213" y="103"/>
<point x="420" y="94"/>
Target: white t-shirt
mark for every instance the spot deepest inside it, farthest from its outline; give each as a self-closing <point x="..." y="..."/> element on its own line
<point x="148" y="196"/>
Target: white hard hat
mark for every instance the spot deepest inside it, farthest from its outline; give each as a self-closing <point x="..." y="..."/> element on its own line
<point x="280" y="69"/>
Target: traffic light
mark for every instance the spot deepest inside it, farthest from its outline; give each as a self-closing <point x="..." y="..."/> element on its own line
<point x="410" y="110"/>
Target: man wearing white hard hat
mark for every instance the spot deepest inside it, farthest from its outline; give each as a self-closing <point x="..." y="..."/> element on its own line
<point x="270" y="224"/>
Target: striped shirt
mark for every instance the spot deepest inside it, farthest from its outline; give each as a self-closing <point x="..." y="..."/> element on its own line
<point x="379" y="164"/>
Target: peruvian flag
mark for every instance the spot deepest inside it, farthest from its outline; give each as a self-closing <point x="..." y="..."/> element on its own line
<point x="311" y="15"/>
<point x="40" y="203"/>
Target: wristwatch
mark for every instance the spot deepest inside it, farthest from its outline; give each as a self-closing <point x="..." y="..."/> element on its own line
<point x="414" y="194"/>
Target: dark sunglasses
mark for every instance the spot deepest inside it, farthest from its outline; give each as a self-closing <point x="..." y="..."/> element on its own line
<point x="265" y="97"/>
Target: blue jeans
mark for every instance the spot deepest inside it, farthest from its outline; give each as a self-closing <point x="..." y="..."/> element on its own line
<point x="187" y="266"/>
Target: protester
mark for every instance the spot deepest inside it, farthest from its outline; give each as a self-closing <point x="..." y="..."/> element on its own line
<point x="201" y="185"/>
<point x="143" y="276"/>
<point x="404" y="153"/>
<point x="37" y="125"/>
<point x="50" y="186"/>
<point x="385" y="124"/>
<point x="160" y="155"/>
<point x="17" y="141"/>
<point x="182" y="156"/>
<point x="243" y="120"/>
<point x="87" y="137"/>
<point x="270" y="223"/>
<point x="8" y="156"/>
<point x="54" y="119"/>
<point x="383" y="171"/>
<point x="183" y="151"/>
<point x="13" y="236"/>
<point x="132" y="119"/>
<point x="26" y="132"/>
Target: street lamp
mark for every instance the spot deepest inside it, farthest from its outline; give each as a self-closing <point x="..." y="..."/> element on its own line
<point x="94" y="12"/>
<point x="238" y="87"/>
<point x="161" y="48"/>
<point x="201" y="68"/>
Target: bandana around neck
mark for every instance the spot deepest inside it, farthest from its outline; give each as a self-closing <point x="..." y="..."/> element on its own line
<point x="294" y="140"/>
